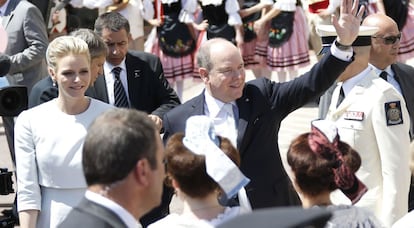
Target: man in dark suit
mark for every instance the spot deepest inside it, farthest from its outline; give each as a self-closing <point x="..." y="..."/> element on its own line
<point x="260" y="105"/>
<point x="141" y="73"/>
<point x="124" y="181"/>
<point x="26" y="48"/>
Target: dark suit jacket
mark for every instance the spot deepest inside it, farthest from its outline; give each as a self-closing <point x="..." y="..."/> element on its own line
<point x="405" y="76"/>
<point x="148" y="89"/>
<point x="90" y="214"/>
<point x="262" y="107"/>
<point x="44" y="91"/>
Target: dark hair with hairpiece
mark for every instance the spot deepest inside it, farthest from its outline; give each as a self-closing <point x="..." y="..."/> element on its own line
<point x="314" y="172"/>
<point x="189" y="169"/>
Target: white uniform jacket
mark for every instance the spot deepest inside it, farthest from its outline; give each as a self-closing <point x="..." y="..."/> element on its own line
<point x="374" y="120"/>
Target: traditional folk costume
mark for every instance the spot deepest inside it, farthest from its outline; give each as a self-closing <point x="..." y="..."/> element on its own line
<point x="222" y="16"/>
<point x="248" y="48"/>
<point x="286" y="48"/>
<point x="174" y="42"/>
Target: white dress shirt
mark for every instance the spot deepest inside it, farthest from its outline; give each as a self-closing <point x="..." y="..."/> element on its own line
<point x="390" y="78"/>
<point x="223" y="117"/>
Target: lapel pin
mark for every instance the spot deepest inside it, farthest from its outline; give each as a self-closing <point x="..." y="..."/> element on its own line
<point x="137" y="73"/>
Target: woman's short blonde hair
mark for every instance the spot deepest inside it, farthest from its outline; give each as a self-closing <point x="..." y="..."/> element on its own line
<point x="63" y="46"/>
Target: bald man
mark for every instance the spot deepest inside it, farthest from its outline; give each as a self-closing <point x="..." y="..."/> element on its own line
<point x="383" y="57"/>
<point x="384" y="50"/>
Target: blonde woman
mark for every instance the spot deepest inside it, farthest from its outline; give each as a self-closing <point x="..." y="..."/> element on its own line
<point x="49" y="138"/>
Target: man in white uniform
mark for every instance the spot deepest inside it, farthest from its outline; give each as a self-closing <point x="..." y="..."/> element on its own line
<point x="372" y="117"/>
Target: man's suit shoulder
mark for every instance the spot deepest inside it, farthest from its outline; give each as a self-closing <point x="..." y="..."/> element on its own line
<point x="177" y="112"/>
<point x="144" y="56"/>
<point x="90" y="214"/>
<point x="25" y="6"/>
<point x="404" y="67"/>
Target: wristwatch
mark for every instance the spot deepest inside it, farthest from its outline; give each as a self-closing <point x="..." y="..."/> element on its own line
<point x="341" y="46"/>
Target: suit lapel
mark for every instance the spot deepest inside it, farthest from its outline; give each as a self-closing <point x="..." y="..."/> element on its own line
<point x="243" y="139"/>
<point x="243" y="104"/>
<point x="403" y="82"/>
<point x="134" y="72"/>
<point x="197" y="105"/>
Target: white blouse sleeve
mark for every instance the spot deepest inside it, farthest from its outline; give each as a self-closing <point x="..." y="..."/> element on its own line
<point x="267" y="2"/>
<point x="75" y="3"/>
<point x="333" y="5"/>
<point x="285" y="5"/>
<point x="28" y="194"/>
<point x="232" y="8"/>
<point x="94" y="4"/>
<point x="187" y="12"/>
<point x="147" y="9"/>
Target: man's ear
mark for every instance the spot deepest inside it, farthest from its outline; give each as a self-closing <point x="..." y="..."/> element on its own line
<point x="174" y="183"/>
<point x="203" y="74"/>
<point x="130" y="38"/>
<point x="142" y="172"/>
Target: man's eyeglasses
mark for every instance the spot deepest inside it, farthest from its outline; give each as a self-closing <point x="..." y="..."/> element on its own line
<point x="389" y="39"/>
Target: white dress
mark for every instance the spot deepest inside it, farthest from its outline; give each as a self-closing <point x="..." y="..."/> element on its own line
<point x="182" y="221"/>
<point x="48" y="145"/>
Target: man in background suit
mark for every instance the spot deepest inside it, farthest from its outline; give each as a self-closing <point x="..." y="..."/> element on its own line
<point x="26" y="48"/>
<point x="260" y="105"/>
<point x="142" y="75"/>
<point x="124" y="181"/>
<point x="401" y="76"/>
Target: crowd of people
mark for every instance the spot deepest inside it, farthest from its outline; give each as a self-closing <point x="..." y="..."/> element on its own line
<point x="106" y="141"/>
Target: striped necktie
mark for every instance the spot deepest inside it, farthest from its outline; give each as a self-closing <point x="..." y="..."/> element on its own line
<point x="121" y="99"/>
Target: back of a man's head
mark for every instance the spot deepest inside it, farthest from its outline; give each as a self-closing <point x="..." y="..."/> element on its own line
<point x="115" y="142"/>
<point x="96" y="45"/>
<point x="113" y="21"/>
